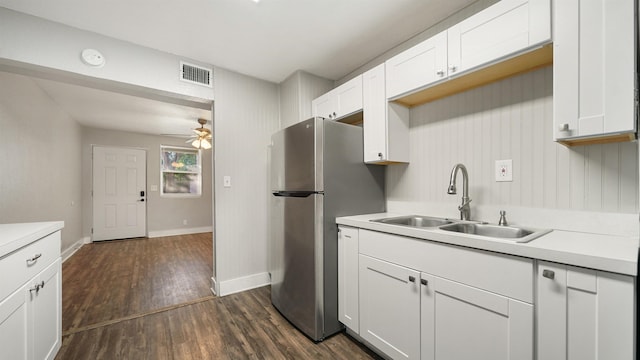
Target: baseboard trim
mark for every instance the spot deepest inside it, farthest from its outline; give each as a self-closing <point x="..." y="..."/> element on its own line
<point x="68" y="252"/>
<point x="244" y="283"/>
<point x="174" y="232"/>
<point x="214" y="286"/>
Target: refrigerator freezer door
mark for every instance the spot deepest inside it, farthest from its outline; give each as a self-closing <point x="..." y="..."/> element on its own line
<point x="296" y="273"/>
<point x="293" y="157"/>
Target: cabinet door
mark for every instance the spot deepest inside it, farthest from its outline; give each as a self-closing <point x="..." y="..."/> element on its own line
<point x="324" y="106"/>
<point x="579" y="310"/>
<point x="593" y="68"/>
<point x="45" y="313"/>
<point x="501" y="30"/>
<point x="390" y="308"/>
<point x="417" y="67"/>
<point x="348" y="307"/>
<point x="463" y="322"/>
<point x="386" y="126"/>
<point x="374" y="103"/>
<point x="13" y="326"/>
<point x="348" y="97"/>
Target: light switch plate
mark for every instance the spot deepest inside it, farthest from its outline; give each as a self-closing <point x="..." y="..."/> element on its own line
<point x="504" y="170"/>
<point x="154" y="187"/>
<point x="226" y="181"/>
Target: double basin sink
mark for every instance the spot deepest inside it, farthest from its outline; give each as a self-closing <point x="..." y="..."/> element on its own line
<point x="511" y="233"/>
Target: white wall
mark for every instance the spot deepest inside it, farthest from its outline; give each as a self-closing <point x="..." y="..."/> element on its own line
<point x="39" y="157"/>
<point x="53" y="49"/>
<point x="296" y="94"/>
<point x="246" y="114"/>
<point x="164" y="215"/>
<point x="510" y="119"/>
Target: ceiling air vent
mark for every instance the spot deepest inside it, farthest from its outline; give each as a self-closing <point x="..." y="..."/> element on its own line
<point x="195" y="74"/>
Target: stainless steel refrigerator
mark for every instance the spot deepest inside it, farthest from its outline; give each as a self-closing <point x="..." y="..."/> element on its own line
<point x="317" y="174"/>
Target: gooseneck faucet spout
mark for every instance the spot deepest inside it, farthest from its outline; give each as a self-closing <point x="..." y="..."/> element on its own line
<point x="465" y="210"/>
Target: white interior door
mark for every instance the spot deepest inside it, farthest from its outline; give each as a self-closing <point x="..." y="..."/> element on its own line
<point x="119" y="193"/>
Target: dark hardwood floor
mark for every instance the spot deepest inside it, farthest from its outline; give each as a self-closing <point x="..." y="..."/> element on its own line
<point x="150" y="299"/>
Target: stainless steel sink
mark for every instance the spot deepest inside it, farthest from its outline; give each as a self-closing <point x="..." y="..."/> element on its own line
<point x="517" y="234"/>
<point x="415" y="221"/>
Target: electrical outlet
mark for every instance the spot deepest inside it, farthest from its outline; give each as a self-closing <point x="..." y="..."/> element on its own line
<point x="226" y="181"/>
<point x="504" y="170"/>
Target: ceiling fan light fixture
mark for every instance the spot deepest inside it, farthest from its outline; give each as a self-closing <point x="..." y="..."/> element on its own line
<point x="205" y="144"/>
<point x="196" y="143"/>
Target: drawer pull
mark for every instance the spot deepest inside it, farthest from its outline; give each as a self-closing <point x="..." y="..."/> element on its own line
<point x="424" y="282"/>
<point x="412" y="278"/>
<point x="34" y="258"/>
<point x="549" y="274"/>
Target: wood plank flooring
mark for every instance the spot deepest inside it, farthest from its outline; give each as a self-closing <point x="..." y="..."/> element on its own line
<point x="150" y="299"/>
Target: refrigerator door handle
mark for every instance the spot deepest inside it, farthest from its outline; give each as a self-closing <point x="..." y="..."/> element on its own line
<point x="301" y="194"/>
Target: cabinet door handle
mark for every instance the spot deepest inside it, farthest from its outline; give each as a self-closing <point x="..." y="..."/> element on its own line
<point x="37" y="287"/>
<point x="563" y="127"/>
<point x="424" y="282"/>
<point x="440" y="73"/>
<point x="453" y="68"/>
<point x="380" y="155"/>
<point x="412" y="278"/>
<point x="34" y="258"/>
<point x="549" y="274"/>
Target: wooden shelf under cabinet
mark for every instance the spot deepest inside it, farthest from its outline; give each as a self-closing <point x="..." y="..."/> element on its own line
<point x="529" y="61"/>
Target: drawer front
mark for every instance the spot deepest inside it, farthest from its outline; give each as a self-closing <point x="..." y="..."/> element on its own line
<point x="20" y="267"/>
<point x="507" y="275"/>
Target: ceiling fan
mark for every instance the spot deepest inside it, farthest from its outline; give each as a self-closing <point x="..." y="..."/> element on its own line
<point x="201" y="139"/>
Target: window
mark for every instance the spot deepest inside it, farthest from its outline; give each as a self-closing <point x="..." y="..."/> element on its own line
<point x="180" y="172"/>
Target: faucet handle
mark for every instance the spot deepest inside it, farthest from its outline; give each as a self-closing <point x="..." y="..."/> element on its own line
<point x="466" y="203"/>
<point x="503" y="219"/>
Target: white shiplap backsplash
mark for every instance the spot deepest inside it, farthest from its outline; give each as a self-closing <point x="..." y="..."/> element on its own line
<point x="509" y="119"/>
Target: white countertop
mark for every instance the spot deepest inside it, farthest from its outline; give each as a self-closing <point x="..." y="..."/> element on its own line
<point x="15" y="236"/>
<point x="617" y="254"/>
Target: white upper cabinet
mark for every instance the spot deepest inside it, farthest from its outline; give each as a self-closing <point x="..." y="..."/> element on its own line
<point x="418" y="66"/>
<point x="344" y="100"/>
<point x="501" y="30"/>
<point x="594" y="70"/>
<point x="505" y="30"/>
<point x="385" y="126"/>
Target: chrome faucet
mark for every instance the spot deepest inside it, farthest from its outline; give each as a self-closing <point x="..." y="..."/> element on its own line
<point x="465" y="210"/>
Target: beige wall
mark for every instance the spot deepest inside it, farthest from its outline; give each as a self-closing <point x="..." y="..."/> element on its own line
<point x="39" y="157"/>
<point x="163" y="214"/>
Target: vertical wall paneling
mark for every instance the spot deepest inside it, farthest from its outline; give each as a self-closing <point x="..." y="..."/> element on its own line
<point x="510" y="119"/>
<point x="296" y="94"/>
<point x="246" y="114"/>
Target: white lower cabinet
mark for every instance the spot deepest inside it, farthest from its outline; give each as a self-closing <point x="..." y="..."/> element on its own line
<point x="45" y="312"/>
<point x="31" y="312"/>
<point x="31" y="317"/>
<point x="348" y="306"/>
<point x="422" y="299"/>
<point x="463" y="322"/>
<point x="13" y="325"/>
<point x="390" y="307"/>
<point x="584" y="314"/>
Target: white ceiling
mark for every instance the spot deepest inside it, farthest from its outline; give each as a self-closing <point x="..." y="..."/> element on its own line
<point x="269" y="40"/>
